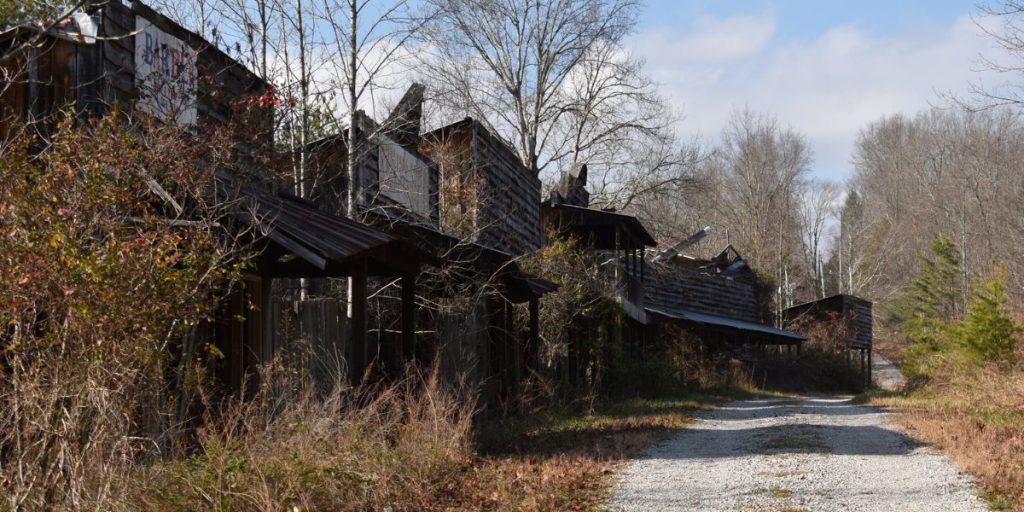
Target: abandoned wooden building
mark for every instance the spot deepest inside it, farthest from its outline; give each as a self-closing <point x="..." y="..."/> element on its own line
<point x="132" y="58"/>
<point x="715" y="298"/>
<point x="855" y="323"/>
<point x="616" y="243"/>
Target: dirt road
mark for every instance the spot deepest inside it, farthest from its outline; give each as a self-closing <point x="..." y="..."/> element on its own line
<point x="799" y="454"/>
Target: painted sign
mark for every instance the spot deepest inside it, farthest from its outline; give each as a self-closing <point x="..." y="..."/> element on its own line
<point x="165" y="74"/>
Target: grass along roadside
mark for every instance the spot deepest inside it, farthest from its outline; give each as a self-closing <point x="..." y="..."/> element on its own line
<point x="409" y="446"/>
<point x="977" y="418"/>
<point x="562" y="460"/>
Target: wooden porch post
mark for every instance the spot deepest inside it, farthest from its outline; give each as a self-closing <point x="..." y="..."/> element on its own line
<point x="513" y="354"/>
<point x="269" y="309"/>
<point x="358" y="321"/>
<point x="408" y="317"/>
<point x="533" y="349"/>
<point x="869" y="367"/>
<point x="643" y="263"/>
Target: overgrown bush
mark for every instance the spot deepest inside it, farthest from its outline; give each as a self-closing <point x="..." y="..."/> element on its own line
<point x="112" y="246"/>
<point x="576" y="314"/>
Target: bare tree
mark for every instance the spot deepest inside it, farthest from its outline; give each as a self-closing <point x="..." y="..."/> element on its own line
<point x="761" y="167"/>
<point x="817" y="209"/>
<point x="948" y="173"/>
<point x="1001" y="22"/>
<point x="514" y="65"/>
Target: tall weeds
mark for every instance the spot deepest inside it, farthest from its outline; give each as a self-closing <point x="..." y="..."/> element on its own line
<point x="374" y="447"/>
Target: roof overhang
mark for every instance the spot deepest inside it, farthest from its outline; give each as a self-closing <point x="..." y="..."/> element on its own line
<point x="759" y="333"/>
<point x="602" y="224"/>
<point x="306" y="242"/>
<point x="519" y="286"/>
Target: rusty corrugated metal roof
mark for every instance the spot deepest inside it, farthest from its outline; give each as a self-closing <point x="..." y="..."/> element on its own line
<point x="323" y="240"/>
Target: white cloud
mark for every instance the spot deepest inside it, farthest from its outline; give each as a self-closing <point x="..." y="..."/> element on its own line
<point x="827" y="88"/>
<point x="714" y="40"/>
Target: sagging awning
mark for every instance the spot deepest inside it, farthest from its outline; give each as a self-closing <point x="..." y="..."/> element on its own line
<point x="486" y="262"/>
<point x="756" y="332"/>
<point x="307" y="242"/>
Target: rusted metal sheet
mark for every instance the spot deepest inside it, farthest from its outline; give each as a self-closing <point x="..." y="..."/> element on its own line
<point x="756" y="331"/>
<point x="326" y="243"/>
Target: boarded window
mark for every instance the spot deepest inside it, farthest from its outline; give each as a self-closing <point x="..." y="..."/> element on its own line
<point x="404" y="178"/>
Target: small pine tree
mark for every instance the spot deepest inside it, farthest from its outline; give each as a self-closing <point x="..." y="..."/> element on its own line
<point x="928" y="305"/>
<point x="987" y="331"/>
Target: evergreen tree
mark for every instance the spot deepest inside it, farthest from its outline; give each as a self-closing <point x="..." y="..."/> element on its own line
<point x="929" y="306"/>
<point x="987" y="331"/>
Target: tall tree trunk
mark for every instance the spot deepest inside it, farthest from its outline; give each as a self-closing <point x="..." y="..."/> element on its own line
<point x="352" y="157"/>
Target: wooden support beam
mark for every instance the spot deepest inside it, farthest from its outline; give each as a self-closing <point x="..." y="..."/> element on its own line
<point x="267" y="307"/>
<point x="408" y="317"/>
<point x="533" y="343"/>
<point x="643" y="264"/>
<point x="513" y="354"/>
<point x="357" y="319"/>
<point x="869" y="368"/>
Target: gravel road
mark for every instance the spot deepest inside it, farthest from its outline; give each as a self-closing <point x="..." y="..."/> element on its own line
<point x="887" y="375"/>
<point x="793" y="454"/>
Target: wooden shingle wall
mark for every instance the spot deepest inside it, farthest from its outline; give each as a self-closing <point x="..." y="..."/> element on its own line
<point x="508" y="205"/>
<point x="669" y="289"/>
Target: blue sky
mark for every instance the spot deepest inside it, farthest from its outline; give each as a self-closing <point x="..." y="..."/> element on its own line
<point x="807" y="18"/>
<point x="824" y="68"/>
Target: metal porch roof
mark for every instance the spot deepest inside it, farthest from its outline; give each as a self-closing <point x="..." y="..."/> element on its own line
<point x="329" y="243"/>
<point x="729" y="323"/>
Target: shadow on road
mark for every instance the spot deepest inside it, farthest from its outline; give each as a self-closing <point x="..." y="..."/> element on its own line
<point x="788" y="426"/>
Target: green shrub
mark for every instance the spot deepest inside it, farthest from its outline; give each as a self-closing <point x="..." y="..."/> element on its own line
<point x="987" y="332"/>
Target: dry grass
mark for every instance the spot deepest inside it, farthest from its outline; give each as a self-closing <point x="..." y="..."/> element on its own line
<point x="406" y="446"/>
<point x="377" y="447"/>
<point x="977" y="417"/>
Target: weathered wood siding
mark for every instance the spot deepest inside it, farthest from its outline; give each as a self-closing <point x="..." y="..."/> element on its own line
<point x="508" y="208"/>
<point x="487" y="194"/>
<point x="93" y="78"/>
<point x="669" y="288"/>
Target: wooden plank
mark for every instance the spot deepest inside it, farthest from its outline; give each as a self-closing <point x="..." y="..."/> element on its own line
<point x="357" y="282"/>
<point x="408" y="317"/>
<point x="533" y="341"/>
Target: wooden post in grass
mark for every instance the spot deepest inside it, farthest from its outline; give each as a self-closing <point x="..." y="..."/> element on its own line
<point x="359" y="356"/>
